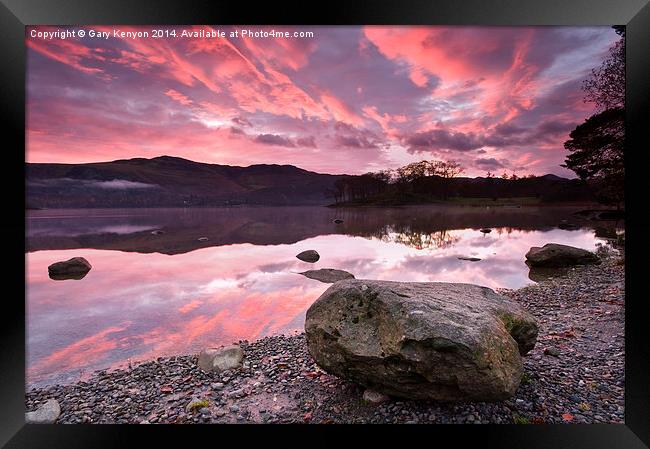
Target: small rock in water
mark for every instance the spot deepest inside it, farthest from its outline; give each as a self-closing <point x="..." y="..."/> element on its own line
<point x="48" y="413"/>
<point x="338" y="221"/>
<point x="202" y="239"/>
<point x="328" y="275"/>
<point x="310" y="256"/>
<point x="75" y="268"/>
<point x="471" y="259"/>
<point x="556" y="255"/>
<point x="157" y="232"/>
<point x="486" y="230"/>
<point x="374" y="397"/>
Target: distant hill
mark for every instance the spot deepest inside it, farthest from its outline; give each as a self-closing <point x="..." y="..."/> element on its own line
<point x="167" y="181"/>
<point x="171" y="182"/>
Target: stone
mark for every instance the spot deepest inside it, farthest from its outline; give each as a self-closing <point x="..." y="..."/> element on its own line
<point x="471" y="259"/>
<point x="486" y="230"/>
<point x="421" y="340"/>
<point x="157" y="232"/>
<point x="556" y="255"/>
<point x="327" y="275"/>
<point x="338" y="221"/>
<point x="221" y="359"/>
<point x="202" y="239"/>
<point x="552" y="352"/>
<point x="47" y="413"/>
<point x="75" y="268"/>
<point x="374" y="397"/>
<point x="310" y="256"/>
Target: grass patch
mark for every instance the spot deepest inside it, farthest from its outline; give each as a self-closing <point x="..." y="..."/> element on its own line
<point x="196" y="405"/>
<point x="520" y="419"/>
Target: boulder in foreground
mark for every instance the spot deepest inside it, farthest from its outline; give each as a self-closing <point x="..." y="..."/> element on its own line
<point x="421" y="340"/>
<point x="556" y="255"/>
<point x="75" y="268"/>
<point x="221" y="359"/>
<point x="310" y="256"/>
<point x="328" y="275"/>
<point x="47" y="413"/>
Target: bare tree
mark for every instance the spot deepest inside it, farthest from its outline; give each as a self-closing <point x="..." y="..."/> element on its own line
<point x="447" y="169"/>
<point x="606" y="85"/>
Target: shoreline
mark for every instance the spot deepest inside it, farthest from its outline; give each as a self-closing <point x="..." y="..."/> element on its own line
<point x="575" y="374"/>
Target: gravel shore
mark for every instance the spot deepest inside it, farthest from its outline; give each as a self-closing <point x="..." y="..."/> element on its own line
<point x="574" y="374"/>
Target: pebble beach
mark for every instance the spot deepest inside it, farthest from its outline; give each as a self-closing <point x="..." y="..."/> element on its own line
<point x="575" y="374"/>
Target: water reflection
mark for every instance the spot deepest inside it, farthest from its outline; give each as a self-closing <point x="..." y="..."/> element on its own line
<point x="167" y="294"/>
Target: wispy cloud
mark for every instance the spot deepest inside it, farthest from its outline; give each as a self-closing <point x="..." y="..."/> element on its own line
<point x="400" y="94"/>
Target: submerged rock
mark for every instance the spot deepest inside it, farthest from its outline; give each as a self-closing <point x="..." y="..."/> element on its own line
<point x="567" y="226"/>
<point x="471" y="259"/>
<point x="486" y="230"/>
<point x="310" y="256"/>
<point x="157" y="232"/>
<point x="338" y="221"/>
<point x="421" y="340"/>
<point x="328" y="275"/>
<point x="221" y="359"/>
<point x="75" y="268"/>
<point x="47" y="413"/>
<point x="556" y="255"/>
<point x="202" y="239"/>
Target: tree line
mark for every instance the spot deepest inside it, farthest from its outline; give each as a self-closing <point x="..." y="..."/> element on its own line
<point x="596" y="146"/>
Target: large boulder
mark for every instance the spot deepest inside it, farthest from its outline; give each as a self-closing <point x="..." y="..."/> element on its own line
<point x="75" y="268"/>
<point x="421" y="340"/>
<point x="221" y="359"/>
<point x="310" y="256"/>
<point x="327" y="275"/>
<point x="47" y="413"/>
<point x="556" y="255"/>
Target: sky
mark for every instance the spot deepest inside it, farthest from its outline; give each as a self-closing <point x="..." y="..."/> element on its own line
<point x="350" y="99"/>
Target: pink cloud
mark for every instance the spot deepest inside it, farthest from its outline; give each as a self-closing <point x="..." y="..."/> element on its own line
<point x="94" y="100"/>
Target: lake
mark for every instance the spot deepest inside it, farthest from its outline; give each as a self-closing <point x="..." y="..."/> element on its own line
<point x="151" y="295"/>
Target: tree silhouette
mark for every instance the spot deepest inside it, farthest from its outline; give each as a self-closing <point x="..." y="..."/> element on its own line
<point x="596" y="146"/>
<point x="606" y="85"/>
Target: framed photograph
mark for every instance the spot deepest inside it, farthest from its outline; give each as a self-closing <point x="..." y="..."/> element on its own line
<point x="397" y="213"/>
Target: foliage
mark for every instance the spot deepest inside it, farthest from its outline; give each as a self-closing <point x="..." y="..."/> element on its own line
<point x="606" y="85"/>
<point x="520" y="419"/>
<point x="410" y="178"/>
<point x="596" y="146"/>
<point x="596" y="153"/>
<point x="196" y="405"/>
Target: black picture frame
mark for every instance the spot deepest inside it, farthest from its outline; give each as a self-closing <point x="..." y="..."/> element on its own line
<point x="635" y="14"/>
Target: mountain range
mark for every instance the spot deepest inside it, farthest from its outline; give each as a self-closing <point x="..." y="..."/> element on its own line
<point x="167" y="181"/>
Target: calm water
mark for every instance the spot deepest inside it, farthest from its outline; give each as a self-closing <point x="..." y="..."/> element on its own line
<point x="151" y="295"/>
